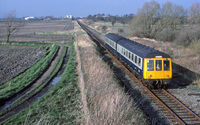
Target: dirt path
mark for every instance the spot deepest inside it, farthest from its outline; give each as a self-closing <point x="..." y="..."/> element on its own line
<point x="49" y="70"/>
<point x="82" y="85"/>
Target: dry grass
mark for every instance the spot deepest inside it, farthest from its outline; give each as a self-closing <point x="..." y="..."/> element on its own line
<point x="197" y="82"/>
<point x="107" y="102"/>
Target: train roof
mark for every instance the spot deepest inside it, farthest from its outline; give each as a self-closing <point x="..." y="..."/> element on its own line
<point x="137" y="48"/>
<point x="114" y="37"/>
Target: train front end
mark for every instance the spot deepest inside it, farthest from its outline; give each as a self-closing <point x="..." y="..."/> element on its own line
<point x="157" y="71"/>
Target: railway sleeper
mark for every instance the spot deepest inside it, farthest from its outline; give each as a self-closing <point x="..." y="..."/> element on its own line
<point x="191" y="119"/>
<point x="183" y="114"/>
<point x="171" y="103"/>
<point x="179" y="109"/>
<point x="168" y="101"/>
<point x="174" y="105"/>
<point x="193" y="123"/>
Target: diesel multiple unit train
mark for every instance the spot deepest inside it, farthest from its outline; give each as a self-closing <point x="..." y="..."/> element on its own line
<point x="152" y="67"/>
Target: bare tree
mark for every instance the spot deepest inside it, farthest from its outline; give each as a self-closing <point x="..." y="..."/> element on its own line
<point x="145" y="20"/>
<point x="172" y="16"/>
<point x="11" y="24"/>
<point x="195" y="13"/>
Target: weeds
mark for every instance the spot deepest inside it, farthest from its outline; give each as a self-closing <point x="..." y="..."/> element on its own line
<point x="196" y="82"/>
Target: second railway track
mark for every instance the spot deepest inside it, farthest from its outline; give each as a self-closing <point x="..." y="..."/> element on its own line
<point x="181" y="113"/>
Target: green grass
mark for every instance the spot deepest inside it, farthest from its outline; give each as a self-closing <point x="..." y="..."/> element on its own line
<point x="61" y="105"/>
<point x="56" y="33"/>
<point x="21" y="81"/>
<point x="25" y="43"/>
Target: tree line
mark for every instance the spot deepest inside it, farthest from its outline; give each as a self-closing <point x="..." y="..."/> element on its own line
<point x="167" y="22"/>
<point x="125" y="19"/>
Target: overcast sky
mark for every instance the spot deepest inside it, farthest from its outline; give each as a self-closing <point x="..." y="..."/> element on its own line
<point x="78" y="8"/>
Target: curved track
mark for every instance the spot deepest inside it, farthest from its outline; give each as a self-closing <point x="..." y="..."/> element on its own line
<point x="176" y="108"/>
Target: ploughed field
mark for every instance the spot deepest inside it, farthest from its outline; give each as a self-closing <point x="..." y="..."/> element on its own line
<point x="38" y="31"/>
<point x="15" y="59"/>
<point x="39" y="52"/>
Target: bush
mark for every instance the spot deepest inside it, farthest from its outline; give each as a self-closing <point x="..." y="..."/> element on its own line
<point x="90" y="22"/>
<point x="188" y="35"/>
<point x="104" y="29"/>
<point x="120" y="31"/>
<point x="167" y="34"/>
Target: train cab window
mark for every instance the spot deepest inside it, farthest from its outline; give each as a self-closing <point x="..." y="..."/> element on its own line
<point x="139" y="61"/>
<point x="158" y="65"/>
<point x="166" y="65"/>
<point x="136" y="59"/>
<point x="150" y="65"/>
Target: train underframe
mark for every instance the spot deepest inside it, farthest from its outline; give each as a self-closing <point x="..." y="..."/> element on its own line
<point x="156" y="83"/>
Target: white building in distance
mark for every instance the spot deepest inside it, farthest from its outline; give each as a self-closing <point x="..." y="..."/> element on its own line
<point x="68" y="16"/>
<point x="29" y="18"/>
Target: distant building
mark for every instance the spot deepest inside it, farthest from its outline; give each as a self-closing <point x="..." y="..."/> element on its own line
<point x="68" y="17"/>
<point x="49" y="18"/>
<point x="29" y="18"/>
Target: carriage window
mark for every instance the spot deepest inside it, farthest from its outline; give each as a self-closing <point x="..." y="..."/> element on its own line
<point x="135" y="59"/>
<point x="158" y="65"/>
<point x="139" y="61"/>
<point x="129" y="56"/>
<point x="166" y="65"/>
<point x="150" y="65"/>
<point x="126" y="53"/>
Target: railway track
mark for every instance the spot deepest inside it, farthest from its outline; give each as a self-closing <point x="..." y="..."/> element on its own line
<point x="176" y="108"/>
<point x="181" y="113"/>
